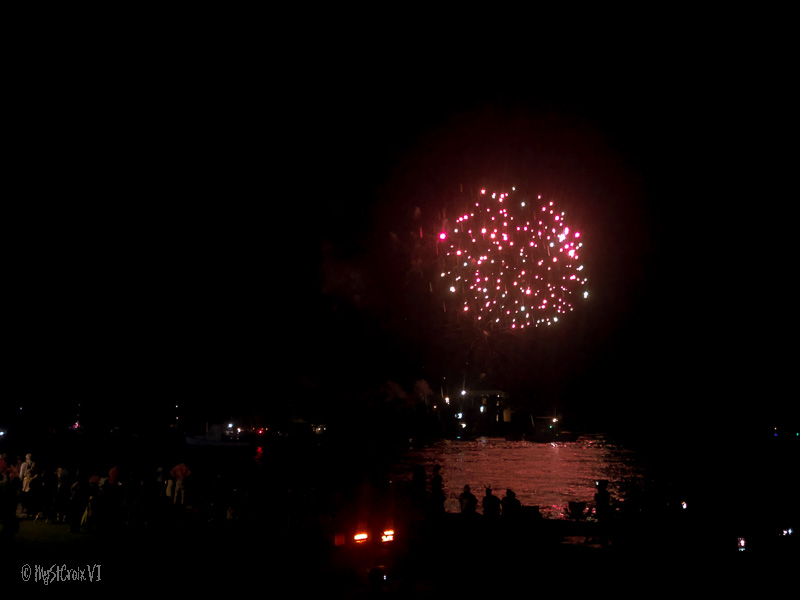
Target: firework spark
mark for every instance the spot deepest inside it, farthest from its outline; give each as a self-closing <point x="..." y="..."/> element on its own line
<point x="510" y="264"/>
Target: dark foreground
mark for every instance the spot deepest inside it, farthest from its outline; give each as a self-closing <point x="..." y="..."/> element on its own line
<point x="285" y="523"/>
<point x="452" y="555"/>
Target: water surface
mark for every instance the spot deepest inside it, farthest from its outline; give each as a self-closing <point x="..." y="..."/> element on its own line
<point x="541" y="474"/>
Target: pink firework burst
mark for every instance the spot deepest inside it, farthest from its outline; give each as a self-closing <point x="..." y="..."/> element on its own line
<point x="511" y="263"/>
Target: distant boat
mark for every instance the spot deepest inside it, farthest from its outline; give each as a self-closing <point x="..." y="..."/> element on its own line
<point x="201" y="440"/>
<point x="546" y="437"/>
<point x="216" y="437"/>
<point x="547" y="430"/>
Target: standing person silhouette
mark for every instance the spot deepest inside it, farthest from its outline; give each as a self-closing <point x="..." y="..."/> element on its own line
<point x="180" y="472"/>
<point x="491" y="505"/>
<point x="602" y="503"/>
<point x="468" y="501"/>
<point x="512" y="507"/>
<point x="437" y="497"/>
<point x="27" y="473"/>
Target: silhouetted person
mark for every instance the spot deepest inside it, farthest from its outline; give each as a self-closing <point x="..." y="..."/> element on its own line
<point x="40" y="492"/>
<point x="417" y="491"/>
<point x="31" y="489"/>
<point x="60" y="496"/>
<point x="577" y="510"/>
<point x="490" y="504"/>
<point x="512" y="507"/>
<point x="9" y="498"/>
<point x="113" y="475"/>
<point x="437" y="497"/>
<point x="180" y="472"/>
<point x="78" y="502"/>
<point x="27" y="473"/>
<point x="468" y="501"/>
<point x="436" y="480"/>
<point x="602" y="502"/>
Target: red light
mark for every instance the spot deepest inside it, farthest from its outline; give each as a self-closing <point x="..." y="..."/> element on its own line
<point x="360" y="538"/>
<point x="443" y="236"/>
<point x="388" y="536"/>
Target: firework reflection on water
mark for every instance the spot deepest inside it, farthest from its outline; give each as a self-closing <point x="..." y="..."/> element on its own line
<point x="545" y="475"/>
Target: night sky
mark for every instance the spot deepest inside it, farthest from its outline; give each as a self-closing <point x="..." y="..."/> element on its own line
<point x="220" y="233"/>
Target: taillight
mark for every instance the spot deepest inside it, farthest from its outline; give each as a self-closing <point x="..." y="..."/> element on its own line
<point x="388" y="535"/>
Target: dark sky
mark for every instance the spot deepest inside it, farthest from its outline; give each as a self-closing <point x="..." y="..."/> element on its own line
<point x="218" y="230"/>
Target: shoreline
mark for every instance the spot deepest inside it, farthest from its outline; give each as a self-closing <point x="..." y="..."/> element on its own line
<point x="435" y="556"/>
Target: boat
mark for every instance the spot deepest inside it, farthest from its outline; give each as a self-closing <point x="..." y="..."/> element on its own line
<point x="546" y="430"/>
<point x="219" y="436"/>
<point x="201" y="440"/>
